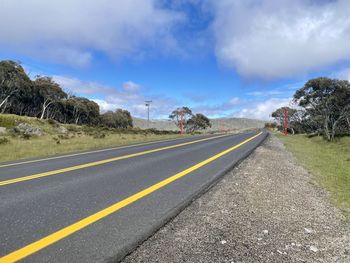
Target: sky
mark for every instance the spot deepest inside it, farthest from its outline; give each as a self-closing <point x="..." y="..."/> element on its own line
<point x="222" y="58"/>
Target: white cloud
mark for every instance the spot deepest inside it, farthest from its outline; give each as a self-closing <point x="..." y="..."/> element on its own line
<point x="262" y="110"/>
<point x="223" y="109"/>
<point x="234" y="101"/>
<point x="68" y="31"/>
<point x="281" y="38"/>
<point x="128" y="97"/>
<point x="266" y="93"/>
<point x="130" y="86"/>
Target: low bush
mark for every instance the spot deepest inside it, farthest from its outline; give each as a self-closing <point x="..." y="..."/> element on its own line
<point x="4" y="140"/>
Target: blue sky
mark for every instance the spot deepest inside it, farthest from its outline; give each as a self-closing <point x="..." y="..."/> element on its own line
<point x="224" y="58"/>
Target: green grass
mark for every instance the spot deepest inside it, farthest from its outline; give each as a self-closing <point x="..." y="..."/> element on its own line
<point x="79" y="138"/>
<point x="329" y="162"/>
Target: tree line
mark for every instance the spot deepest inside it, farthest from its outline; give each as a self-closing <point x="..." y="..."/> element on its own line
<point x="45" y="99"/>
<point x="323" y="108"/>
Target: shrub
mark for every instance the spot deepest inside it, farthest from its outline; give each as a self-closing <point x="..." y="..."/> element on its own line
<point x="7" y="121"/>
<point x="4" y="140"/>
<point x="99" y="135"/>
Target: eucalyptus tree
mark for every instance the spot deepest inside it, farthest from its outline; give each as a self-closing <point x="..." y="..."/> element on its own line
<point x="327" y="102"/>
<point x="181" y="114"/>
<point x="13" y="82"/>
<point x="49" y="93"/>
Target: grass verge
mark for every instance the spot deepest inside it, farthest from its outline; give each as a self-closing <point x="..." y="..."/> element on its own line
<point x="45" y="146"/>
<point x="329" y="162"/>
<point x="15" y="146"/>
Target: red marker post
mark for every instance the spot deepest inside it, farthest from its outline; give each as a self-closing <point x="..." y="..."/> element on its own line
<point x="181" y="125"/>
<point x="285" y="121"/>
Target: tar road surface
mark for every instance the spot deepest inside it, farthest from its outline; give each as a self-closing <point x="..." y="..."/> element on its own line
<point x="97" y="206"/>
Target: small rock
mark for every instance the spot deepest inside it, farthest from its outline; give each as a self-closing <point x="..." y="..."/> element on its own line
<point x="223" y="242"/>
<point x="308" y="231"/>
<point x="3" y="130"/>
<point x="313" y="249"/>
<point x="62" y="130"/>
<point x="265" y="232"/>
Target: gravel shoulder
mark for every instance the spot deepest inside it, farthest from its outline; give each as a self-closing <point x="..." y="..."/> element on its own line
<point x="268" y="209"/>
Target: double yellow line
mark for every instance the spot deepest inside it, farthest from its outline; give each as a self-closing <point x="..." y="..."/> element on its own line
<point x="86" y="165"/>
<point x="69" y="230"/>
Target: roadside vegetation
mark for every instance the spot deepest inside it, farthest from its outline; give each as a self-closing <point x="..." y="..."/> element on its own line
<point x="28" y="137"/>
<point x="322" y="108"/>
<point x="328" y="162"/>
<point x="319" y="129"/>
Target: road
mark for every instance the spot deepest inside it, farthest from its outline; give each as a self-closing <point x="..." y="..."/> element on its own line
<point x="96" y="206"/>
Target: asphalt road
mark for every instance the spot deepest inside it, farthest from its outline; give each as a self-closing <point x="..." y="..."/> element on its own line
<point x="97" y="206"/>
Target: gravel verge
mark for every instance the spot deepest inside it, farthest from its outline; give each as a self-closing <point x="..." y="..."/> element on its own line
<point x="268" y="209"/>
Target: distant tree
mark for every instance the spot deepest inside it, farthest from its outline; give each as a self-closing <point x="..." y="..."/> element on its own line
<point x="49" y="91"/>
<point x="123" y="118"/>
<point x="295" y="119"/>
<point x="198" y="122"/>
<point x="118" y="119"/>
<point x="326" y="103"/>
<point x="186" y="115"/>
<point x="13" y="83"/>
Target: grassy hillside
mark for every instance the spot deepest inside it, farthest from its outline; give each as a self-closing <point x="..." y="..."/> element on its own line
<point x="217" y="124"/>
<point x="328" y="162"/>
<point x="63" y="138"/>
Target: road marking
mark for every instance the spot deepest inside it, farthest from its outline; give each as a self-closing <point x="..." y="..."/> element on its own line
<point x="84" y="153"/>
<point x="69" y="230"/>
<point x="86" y="165"/>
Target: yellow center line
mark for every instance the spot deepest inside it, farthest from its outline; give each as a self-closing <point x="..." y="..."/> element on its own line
<point x="65" y="232"/>
<point x="86" y="165"/>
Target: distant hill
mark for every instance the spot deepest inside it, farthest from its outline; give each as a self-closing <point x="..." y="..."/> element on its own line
<point x="217" y="124"/>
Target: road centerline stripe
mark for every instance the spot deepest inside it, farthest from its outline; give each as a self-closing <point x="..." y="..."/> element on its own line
<point x="91" y="164"/>
<point x="69" y="230"/>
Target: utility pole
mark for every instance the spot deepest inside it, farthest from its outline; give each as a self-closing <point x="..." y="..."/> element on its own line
<point x="148" y="104"/>
<point x="285" y="121"/>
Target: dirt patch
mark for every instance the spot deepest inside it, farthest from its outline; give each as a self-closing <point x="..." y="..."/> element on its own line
<point x="266" y="210"/>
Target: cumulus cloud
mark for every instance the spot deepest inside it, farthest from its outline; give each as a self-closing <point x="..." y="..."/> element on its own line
<point x="130" y="86"/>
<point x="262" y="109"/>
<point x="223" y="109"/>
<point x="69" y="32"/>
<point x="109" y="98"/>
<point x="281" y="38"/>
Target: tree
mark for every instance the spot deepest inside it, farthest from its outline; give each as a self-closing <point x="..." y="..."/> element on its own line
<point x="49" y="91"/>
<point x="118" y="119"/>
<point x="13" y="81"/>
<point x="186" y="115"/>
<point x="295" y="119"/>
<point x="198" y="122"/>
<point x="326" y="102"/>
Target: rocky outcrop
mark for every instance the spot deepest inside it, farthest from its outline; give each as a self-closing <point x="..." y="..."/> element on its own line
<point x="28" y="130"/>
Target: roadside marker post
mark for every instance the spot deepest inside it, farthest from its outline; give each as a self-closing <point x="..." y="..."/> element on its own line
<point x="285" y="121"/>
<point x="181" y="125"/>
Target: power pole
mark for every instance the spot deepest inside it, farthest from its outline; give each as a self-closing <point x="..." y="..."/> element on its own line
<point x="148" y="104"/>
